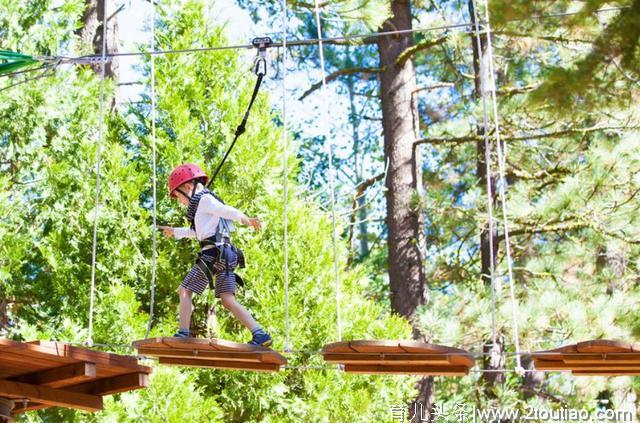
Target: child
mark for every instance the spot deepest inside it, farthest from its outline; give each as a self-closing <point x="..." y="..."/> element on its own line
<point x="217" y="256"/>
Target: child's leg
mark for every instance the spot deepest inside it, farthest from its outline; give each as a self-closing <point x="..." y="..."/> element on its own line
<point x="242" y="314"/>
<point x="186" y="308"/>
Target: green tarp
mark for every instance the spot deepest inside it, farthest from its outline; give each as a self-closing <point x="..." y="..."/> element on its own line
<point x="11" y="61"/>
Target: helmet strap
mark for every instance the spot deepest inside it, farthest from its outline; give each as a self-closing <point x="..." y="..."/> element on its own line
<point x="184" y="193"/>
<point x="193" y="189"/>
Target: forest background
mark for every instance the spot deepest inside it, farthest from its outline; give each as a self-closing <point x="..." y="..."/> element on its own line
<point x="406" y="130"/>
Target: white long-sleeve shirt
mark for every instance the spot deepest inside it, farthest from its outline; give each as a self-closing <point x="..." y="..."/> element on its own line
<point x="208" y="214"/>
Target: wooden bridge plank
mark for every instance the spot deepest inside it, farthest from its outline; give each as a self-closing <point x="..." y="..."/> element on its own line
<point x="50" y="396"/>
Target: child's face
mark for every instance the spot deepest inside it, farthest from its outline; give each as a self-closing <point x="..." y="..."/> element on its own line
<point x="186" y="187"/>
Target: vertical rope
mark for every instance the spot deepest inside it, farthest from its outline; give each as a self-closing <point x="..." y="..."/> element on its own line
<point x="327" y="134"/>
<point x="489" y="176"/>
<point x="285" y="149"/>
<point x="502" y="189"/>
<point x="89" y="340"/>
<point x="155" y="173"/>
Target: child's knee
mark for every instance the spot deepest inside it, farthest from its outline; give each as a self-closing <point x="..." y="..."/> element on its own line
<point x="184" y="293"/>
<point x="228" y="300"/>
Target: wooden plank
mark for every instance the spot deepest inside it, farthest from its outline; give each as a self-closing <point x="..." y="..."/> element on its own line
<point x="603" y="345"/>
<point x="605" y="373"/>
<point x="433" y="359"/>
<point x="112" y="385"/>
<point x="17" y="364"/>
<point x="554" y="365"/>
<point x="65" y="353"/>
<point x="617" y="358"/>
<point x="31" y="406"/>
<point x="407" y="370"/>
<point x="338" y="347"/>
<point x="224" y="345"/>
<point x="189" y="343"/>
<point x="57" y="377"/>
<point x="203" y="355"/>
<point x="150" y="343"/>
<point x="466" y="360"/>
<point x="422" y="347"/>
<point x="229" y="365"/>
<point x="50" y="396"/>
<point x="98" y="357"/>
<point x="208" y="349"/>
<point x="376" y="346"/>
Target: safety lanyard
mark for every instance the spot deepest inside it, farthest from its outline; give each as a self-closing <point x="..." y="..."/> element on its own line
<point x="260" y="70"/>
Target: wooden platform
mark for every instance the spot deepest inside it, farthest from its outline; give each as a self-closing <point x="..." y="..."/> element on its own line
<point x="592" y="358"/>
<point x="211" y="353"/>
<point x="399" y="357"/>
<point x="43" y="374"/>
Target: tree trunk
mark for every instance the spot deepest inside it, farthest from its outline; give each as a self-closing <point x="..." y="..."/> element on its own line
<point x="91" y="33"/>
<point x="397" y="83"/>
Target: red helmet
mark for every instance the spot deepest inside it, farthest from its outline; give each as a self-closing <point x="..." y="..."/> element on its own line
<point x="185" y="173"/>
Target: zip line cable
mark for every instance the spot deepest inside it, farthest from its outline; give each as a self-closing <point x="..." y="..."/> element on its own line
<point x="329" y="143"/>
<point x="155" y="172"/>
<point x="94" y="59"/>
<point x="313" y="41"/>
<point x="98" y="160"/>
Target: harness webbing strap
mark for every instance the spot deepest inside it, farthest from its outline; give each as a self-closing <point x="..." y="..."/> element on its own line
<point x="239" y="130"/>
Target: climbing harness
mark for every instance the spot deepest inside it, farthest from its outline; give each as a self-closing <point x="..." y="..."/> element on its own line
<point x="260" y="69"/>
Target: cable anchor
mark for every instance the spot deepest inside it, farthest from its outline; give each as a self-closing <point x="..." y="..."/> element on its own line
<point x="262" y="44"/>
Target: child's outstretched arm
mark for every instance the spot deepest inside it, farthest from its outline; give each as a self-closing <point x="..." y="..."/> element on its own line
<point x="214" y="207"/>
<point x="178" y="233"/>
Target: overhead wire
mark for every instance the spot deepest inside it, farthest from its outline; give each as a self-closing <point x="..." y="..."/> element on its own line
<point x="343" y="38"/>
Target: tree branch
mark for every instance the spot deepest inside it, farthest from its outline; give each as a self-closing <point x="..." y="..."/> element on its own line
<point x="360" y="189"/>
<point x="550" y="38"/>
<point x="557" y="134"/>
<point x="509" y="91"/>
<point x="435" y="86"/>
<point x="422" y="45"/>
<point x="571" y="224"/>
<point x="337" y="74"/>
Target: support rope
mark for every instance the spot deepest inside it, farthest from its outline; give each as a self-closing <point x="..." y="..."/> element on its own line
<point x="502" y="189"/>
<point x="489" y="176"/>
<point x="287" y="345"/>
<point x="98" y="160"/>
<point x="329" y="144"/>
<point x="155" y="173"/>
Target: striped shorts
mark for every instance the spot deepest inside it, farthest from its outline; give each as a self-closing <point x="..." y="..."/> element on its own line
<point x="225" y="278"/>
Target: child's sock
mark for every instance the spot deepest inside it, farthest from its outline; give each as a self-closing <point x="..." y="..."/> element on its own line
<point x="257" y="331"/>
<point x="183" y="331"/>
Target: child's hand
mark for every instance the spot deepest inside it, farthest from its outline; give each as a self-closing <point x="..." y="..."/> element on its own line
<point x="254" y="222"/>
<point x="167" y="230"/>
